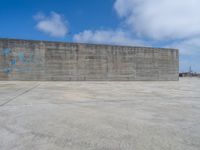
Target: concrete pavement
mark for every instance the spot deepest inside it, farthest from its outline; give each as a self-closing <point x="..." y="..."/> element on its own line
<point x="100" y="115"/>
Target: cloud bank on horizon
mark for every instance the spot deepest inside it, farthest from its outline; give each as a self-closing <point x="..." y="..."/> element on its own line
<point x="117" y="36"/>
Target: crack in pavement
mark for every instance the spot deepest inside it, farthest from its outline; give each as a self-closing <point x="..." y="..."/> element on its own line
<point x="24" y="92"/>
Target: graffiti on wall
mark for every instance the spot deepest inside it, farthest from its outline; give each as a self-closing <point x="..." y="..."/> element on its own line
<point x="6" y="52"/>
<point x="17" y="61"/>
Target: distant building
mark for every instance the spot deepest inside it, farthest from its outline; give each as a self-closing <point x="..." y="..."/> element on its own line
<point x="190" y="73"/>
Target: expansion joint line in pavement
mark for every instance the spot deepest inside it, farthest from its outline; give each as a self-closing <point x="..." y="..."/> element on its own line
<point x="24" y="92"/>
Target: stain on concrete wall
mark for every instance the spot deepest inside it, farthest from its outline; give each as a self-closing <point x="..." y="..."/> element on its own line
<point x="6" y="52"/>
<point x="13" y="61"/>
<point x="42" y="60"/>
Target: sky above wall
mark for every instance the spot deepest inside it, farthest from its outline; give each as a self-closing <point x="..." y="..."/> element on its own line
<point x="157" y="23"/>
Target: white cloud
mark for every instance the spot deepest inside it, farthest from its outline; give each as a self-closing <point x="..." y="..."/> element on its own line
<point x="171" y="23"/>
<point x="189" y="53"/>
<point x="161" y="19"/>
<point x="54" y="24"/>
<point x="188" y="47"/>
<point x="118" y="37"/>
<point x="154" y="20"/>
<point x="167" y="23"/>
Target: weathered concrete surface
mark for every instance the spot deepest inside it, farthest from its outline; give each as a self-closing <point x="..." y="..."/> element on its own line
<point x="100" y="115"/>
<point x="40" y="60"/>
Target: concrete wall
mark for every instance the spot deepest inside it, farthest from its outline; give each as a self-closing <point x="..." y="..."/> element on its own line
<point x="42" y="60"/>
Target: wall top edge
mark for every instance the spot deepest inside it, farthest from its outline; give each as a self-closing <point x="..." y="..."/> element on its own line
<point x="80" y="44"/>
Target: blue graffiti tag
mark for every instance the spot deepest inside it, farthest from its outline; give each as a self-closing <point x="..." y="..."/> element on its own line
<point x="31" y="57"/>
<point x="21" y="56"/>
<point x="13" y="62"/>
<point x="6" y="51"/>
<point x="24" y="58"/>
<point x="7" y="70"/>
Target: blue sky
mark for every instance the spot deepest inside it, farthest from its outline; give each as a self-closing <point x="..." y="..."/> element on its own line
<point x="17" y="16"/>
<point x="158" y="23"/>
